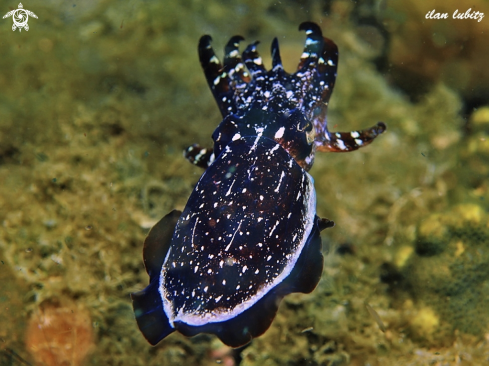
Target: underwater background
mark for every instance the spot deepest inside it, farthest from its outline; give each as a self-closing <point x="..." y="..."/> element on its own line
<point x="98" y="99"/>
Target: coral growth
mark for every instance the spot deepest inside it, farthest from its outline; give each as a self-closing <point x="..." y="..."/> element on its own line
<point x="448" y="274"/>
<point x="60" y="334"/>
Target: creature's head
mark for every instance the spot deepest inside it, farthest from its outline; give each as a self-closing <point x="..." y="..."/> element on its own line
<point x="288" y="108"/>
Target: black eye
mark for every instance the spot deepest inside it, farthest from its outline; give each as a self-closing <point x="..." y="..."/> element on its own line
<point x="310" y="133"/>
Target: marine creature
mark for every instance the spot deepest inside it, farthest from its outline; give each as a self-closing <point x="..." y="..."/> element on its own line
<point x="249" y="234"/>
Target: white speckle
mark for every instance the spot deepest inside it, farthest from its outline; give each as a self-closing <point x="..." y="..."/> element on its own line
<point x="236" y="137"/>
<point x="280" y="133"/>
<point x="257" y="271"/>
<point x="340" y="144"/>
<point x="196" y="268"/>
<point x="244" y="190"/>
<point x="206" y="288"/>
<point x="273" y="229"/>
<point x="229" y="245"/>
<point x="209" y="271"/>
<point x="359" y="142"/>
<point x="238" y="287"/>
<point x="229" y="190"/>
<point x="282" y="175"/>
<point x="244" y="269"/>
<point x="268" y="258"/>
<point x="218" y="298"/>
<point x="224" y="282"/>
<point x="354" y="134"/>
<point x="255" y="143"/>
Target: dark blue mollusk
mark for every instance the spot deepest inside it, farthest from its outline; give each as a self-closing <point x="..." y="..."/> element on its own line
<point x="249" y="234"/>
<point x="247" y="237"/>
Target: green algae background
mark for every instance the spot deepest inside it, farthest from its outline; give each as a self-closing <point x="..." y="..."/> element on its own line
<point x="99" y="98"/>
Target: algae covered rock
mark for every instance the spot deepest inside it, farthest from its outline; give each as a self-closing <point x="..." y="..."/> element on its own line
<point x="448" y="273"/>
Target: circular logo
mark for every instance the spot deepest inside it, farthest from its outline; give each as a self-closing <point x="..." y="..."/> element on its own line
<point x="20" y="18"/>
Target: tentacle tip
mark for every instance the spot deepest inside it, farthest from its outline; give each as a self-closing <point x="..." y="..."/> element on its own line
<point x="276" y="60"/>
<point x="235" y="40"/>
<point x="205" y="41"/>
<point x="310" y="27"/>
<point x="274" y="44"/>
<point x="380" y="127"/>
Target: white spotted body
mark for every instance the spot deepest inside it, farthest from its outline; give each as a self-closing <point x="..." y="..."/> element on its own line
<point x="249" y="234"/>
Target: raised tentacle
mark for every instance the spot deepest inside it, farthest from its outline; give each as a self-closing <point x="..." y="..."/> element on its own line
<point x="348" y="141"/>
<point x="324" y="81"/>
<point x="217" y="77"/>
<point x="320" y="58"/>
<point x="252" y="60"/>
<point x="313" y="46"/>
<point x="198" y="155"/>
<point x="233" y="64"/>
<point x="276" y="60"/>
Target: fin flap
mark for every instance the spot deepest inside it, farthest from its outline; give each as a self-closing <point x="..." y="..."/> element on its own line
<point x="325" y="224"/>
<point x="150" y="316"/>
<point x="157" y="243"/>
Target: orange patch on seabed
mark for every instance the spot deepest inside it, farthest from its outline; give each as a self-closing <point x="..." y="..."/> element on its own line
<point x="59" y="334"/>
